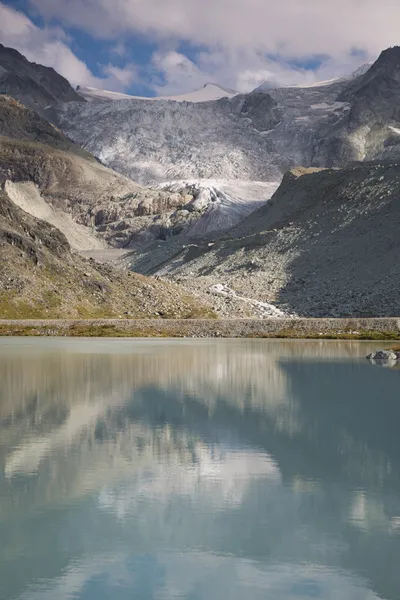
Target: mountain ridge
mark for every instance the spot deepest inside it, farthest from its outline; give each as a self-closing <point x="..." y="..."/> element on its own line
<point x="209" y="92"/>
<point x="35" y="85"/>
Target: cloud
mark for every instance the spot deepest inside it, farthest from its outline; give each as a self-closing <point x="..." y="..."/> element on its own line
<point x="237" y="43"/>
<point x="243" y="42"/>
<point x="288" y="27"/>
<point x="119" y="49"/>
<point x="49" y="46"/>
<point x="120" y="78"/>
<point x="173" y="73"/>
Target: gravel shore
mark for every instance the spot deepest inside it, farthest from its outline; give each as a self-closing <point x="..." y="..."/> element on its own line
<point x="364" y="328"/>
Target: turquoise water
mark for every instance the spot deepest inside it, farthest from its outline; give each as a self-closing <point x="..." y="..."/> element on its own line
<point x="198" y="470"/>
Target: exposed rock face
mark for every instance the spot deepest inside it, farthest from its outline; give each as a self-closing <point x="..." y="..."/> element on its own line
<point x="34" y="85"/>
<point x="118" y="210"/>
<point x="71" y="180"/>
<point x="371" y="127"/>
<point x="260" y="108"/>
<point x="327" y="244"/>
<point x="41" y="277"/>
<point x="27" y="196"/>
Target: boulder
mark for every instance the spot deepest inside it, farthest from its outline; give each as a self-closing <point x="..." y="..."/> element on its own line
<point x="390" y="355"/>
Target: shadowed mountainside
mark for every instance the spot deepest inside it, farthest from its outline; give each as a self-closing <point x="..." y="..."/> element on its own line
<point x="326" y="244"/>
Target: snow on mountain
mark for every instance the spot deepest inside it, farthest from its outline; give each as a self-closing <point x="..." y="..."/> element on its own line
<point x="222" y="204"/>
<point x="316" y="84"/>
<point x="361" y="70"/>
<point x="151" y="141"/>
<point x="209" y="92"/>
<point x="92" y="94"/>
<point x="253" y="137"/>
<point x="266" y="86"/>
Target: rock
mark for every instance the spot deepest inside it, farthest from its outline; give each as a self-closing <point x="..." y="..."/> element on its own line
<point x="390" y="355"/>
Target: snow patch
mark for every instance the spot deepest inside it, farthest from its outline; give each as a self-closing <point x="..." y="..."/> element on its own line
<point x="329" y="107"/>
<point x="317" y="83"/>
<point x="208" y="93"/>
<point x="266" y="309"/>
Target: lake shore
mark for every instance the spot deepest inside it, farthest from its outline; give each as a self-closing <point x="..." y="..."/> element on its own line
<point x="319" y="328"/>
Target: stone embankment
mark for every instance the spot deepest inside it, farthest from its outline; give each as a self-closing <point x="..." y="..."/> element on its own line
<point x="364" y="328"/>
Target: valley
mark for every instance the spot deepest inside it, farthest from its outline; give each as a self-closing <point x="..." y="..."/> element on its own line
<point x="280" y="203"/>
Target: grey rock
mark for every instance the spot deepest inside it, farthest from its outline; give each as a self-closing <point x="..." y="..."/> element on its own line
<point x="389" y="355"/>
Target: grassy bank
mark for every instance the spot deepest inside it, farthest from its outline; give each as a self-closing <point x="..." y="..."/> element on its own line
<point x="335" y="329"/>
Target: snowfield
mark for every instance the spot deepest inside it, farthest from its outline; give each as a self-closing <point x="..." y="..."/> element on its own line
<point x="210" y="92"/>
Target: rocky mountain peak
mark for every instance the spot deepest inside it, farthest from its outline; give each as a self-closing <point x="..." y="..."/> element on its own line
<point x="36" y="86"/>
<point x="386" y="67"/>
<point x="382" y="79"/>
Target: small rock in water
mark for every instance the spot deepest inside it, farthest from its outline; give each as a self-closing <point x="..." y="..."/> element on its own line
<point x="384" y="355"/>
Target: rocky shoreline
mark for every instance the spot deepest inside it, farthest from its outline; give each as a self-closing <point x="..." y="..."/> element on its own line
<point x="352" y="328"/>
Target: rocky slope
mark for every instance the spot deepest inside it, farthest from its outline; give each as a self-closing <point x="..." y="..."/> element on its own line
<point x="327" y="244"/>
<point x="121" y="212"/>
<point x="34" y="85"/>
<point x="40" y="277"/>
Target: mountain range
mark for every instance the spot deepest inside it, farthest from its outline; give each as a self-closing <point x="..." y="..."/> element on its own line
<point x="256" y="136"/>
<point x="279" y="202"/>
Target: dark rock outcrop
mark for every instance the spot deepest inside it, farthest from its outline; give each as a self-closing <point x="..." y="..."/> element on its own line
<point x="36" y="86"/>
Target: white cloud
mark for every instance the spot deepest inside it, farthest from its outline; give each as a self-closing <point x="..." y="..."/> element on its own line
<point x="173" y="73"/>
<point x="238" y="35"/>
<point x="289" y="27"/>
<point x="49" y="46"/>
<point x="120" y="49"/>
<point x="120" y="78"/>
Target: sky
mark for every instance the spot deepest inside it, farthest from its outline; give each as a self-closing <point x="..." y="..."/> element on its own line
<point x="163" y="47"/>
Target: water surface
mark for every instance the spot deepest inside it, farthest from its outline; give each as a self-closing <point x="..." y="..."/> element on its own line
<point x="204" y="470"/>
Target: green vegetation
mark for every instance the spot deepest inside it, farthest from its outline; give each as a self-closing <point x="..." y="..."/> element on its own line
<point x="177" y="328"/>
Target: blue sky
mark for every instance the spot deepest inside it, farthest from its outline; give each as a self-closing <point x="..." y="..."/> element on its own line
<point x="150" y="47"/>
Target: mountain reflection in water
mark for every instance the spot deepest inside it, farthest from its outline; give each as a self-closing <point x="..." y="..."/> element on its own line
<point x="199" y="470"/>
